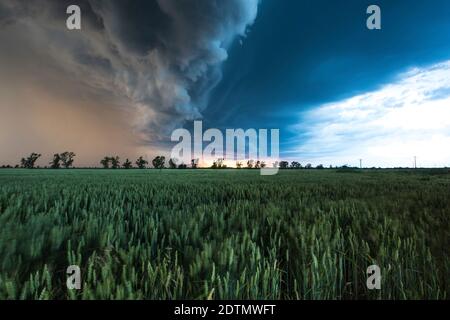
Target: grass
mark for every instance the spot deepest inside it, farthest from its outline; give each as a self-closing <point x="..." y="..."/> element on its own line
<point x="230" y="234"/>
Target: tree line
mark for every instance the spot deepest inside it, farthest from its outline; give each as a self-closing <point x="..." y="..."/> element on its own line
<point x="66" y="160"/>
<point x="60" y="160"/>
<point x="257" y="164"/>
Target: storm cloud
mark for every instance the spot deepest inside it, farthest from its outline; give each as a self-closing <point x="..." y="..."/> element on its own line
<point x="155" y="61"/>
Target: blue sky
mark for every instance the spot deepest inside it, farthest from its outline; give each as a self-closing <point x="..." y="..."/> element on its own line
<point x="301" y="56"/>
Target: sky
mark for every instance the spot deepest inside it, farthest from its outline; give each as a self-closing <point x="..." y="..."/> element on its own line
<point x="137" y="70"/>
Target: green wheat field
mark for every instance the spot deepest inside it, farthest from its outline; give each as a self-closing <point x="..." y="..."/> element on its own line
<point x="224" y="234"/>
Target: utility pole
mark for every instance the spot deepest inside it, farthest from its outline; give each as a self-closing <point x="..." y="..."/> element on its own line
<point x="415" y="162"/>
<point x="360" y="163"/>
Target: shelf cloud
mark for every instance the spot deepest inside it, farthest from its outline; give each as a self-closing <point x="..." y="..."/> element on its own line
<point x="152" y="63"/>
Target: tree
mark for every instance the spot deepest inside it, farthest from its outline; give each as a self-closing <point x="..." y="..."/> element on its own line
<point x="67" y="159"/>
<point x="29" y="162"/>
<point x="182" y="166"/>
<point x="320" y="166"/>
<point x="194" y="163"/>
<point x="56" y="162"/>
<point x="105" y="162"/>
<point x="308" y="166"/>
<point x="115" y="162"/>
<point x="158" y="162"/>
<point x="127" y="164"/>
<point x="284" y="164"/>
<point x="296" y="165"/>
<point x="218" y="164"/>
<point x="250" y="164"/>
<point x="239" y="165"/>
<point x="141" y="163"/>
<point x="260" y="164"/>
<point x="173" y="163"/>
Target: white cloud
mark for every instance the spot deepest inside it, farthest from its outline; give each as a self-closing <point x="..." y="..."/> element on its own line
<point x="387" y="127"/>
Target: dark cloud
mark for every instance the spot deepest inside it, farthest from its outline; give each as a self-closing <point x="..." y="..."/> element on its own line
<point x="159" y="58"/>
